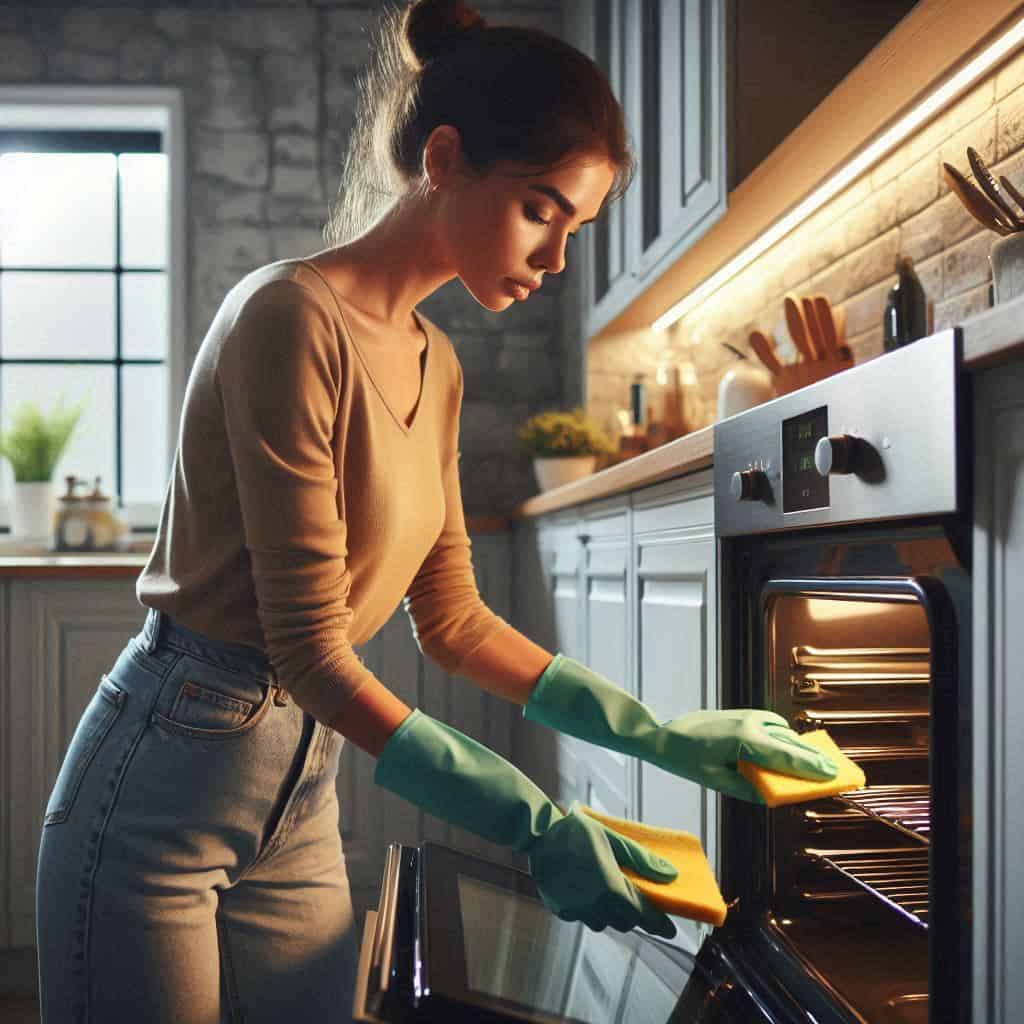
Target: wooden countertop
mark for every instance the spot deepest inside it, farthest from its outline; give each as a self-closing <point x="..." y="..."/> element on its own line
<point x="993" y="337"/>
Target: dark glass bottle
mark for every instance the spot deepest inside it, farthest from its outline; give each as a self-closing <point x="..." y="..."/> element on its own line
<point x="906" y="311"/>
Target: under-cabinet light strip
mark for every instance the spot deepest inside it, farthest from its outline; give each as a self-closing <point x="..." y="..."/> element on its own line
<point x="886" y="142"/>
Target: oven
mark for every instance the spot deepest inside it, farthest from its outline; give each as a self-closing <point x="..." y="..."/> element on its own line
<point x="842" y="512"/>
<point x="843" y="523"/>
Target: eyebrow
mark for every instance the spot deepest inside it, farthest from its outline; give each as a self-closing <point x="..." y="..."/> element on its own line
<point x="567" y="207"/>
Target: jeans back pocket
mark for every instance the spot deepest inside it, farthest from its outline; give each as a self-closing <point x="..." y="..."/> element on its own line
<point x="92" y="728"/>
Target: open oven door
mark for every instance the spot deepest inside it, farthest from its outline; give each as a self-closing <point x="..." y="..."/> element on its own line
<point x="855" y="908"/>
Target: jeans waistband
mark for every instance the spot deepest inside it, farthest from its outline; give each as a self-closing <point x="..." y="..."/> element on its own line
<point x="160" y="629"/>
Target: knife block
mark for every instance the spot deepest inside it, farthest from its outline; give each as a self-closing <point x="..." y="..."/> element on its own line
<point x="793" y="376"/>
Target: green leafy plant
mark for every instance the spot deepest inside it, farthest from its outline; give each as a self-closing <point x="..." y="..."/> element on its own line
<point x="552" y="434"/>
<point x="35" y="441"/>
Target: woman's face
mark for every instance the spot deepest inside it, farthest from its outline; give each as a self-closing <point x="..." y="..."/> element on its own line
<point x="507" y="228"/>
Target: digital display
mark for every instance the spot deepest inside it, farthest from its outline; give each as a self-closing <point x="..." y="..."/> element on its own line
<point x="803" y="487"/>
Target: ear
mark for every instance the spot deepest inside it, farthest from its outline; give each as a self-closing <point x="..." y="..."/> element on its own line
<point x="442" y="155"/>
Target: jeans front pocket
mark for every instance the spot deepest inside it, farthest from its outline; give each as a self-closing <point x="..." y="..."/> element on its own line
<point x="92" y="728"/>
<point x="205" y="710"/>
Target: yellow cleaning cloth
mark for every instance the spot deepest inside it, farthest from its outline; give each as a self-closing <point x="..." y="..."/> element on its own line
<point x="777" y="788"/>
<point x="694" y="892"/>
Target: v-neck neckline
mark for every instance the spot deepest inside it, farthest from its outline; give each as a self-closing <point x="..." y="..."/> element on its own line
<point x="424" y="359"/>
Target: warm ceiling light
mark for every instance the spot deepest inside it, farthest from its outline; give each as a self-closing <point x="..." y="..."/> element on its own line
<point x="884" y="144"/>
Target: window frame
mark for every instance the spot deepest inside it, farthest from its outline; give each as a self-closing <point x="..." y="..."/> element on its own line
<point x="124" y="108"/>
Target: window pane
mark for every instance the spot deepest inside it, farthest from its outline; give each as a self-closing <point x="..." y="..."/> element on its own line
<point x="90" y="452"/>
<point x="144" y="316"/>
<point x="56" y="316"/>
<point x="57" y="209"/>
<point x="144" y="209"/>
<point x="144" y="433"/>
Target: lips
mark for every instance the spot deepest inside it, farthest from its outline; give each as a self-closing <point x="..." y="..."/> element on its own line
<point x="521" y="289"/>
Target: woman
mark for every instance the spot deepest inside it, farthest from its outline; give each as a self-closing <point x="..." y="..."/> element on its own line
<point x="191" y="866"/>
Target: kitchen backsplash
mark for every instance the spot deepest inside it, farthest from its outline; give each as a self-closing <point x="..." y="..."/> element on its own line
<point x="847" y="252"/>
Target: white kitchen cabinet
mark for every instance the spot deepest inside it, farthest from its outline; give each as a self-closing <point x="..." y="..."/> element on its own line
<point x="675" y="568"/>
<point x="665" y="61"/>
<point x="58" y="638"/>
<point x="608" y="776"/>
<point x="998" y="714"/>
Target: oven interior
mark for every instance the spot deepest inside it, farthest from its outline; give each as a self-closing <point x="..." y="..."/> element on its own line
<point x="849" y="877"/>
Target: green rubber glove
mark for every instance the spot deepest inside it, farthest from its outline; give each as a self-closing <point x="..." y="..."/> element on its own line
<point x="703" y="745"/>
<point x="574" y="859"/>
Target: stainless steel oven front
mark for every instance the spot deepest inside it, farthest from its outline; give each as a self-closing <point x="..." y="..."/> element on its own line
<point x="845" y="605"/>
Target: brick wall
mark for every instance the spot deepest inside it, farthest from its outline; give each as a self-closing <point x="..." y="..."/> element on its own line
<point x="847" y="252"/>
<point x="269" y="95"/>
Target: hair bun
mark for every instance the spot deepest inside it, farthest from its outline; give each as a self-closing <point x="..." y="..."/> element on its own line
<point x="433" y="26"/>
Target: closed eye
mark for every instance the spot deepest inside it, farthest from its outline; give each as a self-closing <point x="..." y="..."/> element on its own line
<point x="532" y="215"/>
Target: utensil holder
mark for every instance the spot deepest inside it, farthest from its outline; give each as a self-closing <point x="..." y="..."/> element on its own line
<point x="1007" y="259"/>
<point x="794" y="376"/>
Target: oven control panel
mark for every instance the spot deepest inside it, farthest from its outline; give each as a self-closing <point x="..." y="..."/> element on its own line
<point x="877" y="441"/>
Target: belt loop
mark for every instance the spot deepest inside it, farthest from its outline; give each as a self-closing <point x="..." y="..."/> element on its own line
<point x="152" y="629"/>
<point x="280" y="697"/>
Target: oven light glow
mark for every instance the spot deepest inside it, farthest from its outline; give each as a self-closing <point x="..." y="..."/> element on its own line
<point x="871" y="154"/>
<point x="832" y="611"/>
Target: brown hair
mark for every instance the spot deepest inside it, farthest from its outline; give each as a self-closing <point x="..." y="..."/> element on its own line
<point x="515" y="94"/>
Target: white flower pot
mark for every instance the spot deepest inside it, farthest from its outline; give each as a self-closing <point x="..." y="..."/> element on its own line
<point x="553" y="472"/>
<point x="32" y="511"/>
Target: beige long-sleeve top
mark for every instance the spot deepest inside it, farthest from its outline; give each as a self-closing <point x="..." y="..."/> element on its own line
<point x="301" y="509"/>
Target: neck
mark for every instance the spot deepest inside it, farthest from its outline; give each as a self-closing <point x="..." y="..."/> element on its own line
<point x="394" y="265"/>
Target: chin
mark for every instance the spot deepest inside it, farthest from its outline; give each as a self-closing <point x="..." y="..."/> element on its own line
<point x="495" y="301"/>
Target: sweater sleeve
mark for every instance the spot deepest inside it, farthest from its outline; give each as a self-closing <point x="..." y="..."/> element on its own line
<point x="279" y="381"/>
<point x="449" y="618"/>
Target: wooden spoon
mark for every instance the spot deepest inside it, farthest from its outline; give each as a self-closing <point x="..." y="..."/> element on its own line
<point x="813" y="327"/>
<point x="978" y="205"/>
<point x="826" y="326"/>
<point x="839" y="318"/>
<point x="765" y="349"/>
<point x="797" y="327"/>
<point x="983" y="176"/>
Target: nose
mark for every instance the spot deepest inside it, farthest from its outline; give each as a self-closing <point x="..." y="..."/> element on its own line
<point x="551" y="257"/>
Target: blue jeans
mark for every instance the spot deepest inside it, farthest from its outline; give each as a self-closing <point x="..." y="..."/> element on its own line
<point x="190" y="867"/>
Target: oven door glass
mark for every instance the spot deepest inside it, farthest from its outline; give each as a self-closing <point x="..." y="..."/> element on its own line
<point x="492" y="946"/>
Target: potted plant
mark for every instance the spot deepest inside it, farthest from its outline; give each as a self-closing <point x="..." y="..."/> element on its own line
<point x="564" y="446"/>
<point x="33" y="445"/>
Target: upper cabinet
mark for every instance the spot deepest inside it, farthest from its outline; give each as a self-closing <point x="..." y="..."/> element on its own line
<point x="665" y="62"/>
<point x="710" y="88"/>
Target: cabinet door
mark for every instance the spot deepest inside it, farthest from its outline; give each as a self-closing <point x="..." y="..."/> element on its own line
<point x="62" y="635"/>
<point x="676" y="658"/>
<point x="613" y="46"/>
<point x="609" y="775"/>
<point x="564" y="588"/>
<point x="678" y="109"/>
<point x="997" y="721"/>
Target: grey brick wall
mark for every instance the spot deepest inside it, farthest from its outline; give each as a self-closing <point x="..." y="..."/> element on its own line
<point x="269" y="94"/>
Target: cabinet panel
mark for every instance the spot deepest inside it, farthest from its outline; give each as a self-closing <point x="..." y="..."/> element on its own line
<point x="62" y="636"/>
<point x="997" y="721"/>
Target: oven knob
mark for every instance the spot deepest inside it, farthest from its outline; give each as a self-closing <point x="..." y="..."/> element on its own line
<point x="746" y="484"/>
<point x="839" y="454"/>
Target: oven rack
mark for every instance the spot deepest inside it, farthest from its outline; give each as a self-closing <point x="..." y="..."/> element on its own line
<point x="906" y="807"/>
<point x="896" y="875"/>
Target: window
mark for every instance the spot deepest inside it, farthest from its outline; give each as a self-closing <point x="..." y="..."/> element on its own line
<point x="90" y="271"/>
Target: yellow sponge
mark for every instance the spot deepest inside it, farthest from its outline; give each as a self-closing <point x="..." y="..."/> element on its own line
<point x="694" y="892"/>
<point x="777" y="789"/>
